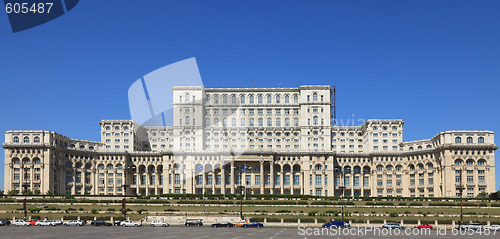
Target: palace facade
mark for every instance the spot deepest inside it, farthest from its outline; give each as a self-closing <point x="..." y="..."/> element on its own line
<point x="268" y="140"/>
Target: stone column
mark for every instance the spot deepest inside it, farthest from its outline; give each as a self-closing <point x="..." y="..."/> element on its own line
<point x="223" y="179"/>
<point x="271" y="176"/>
<point x="262" y="177"/>
<point x="232" y="176"/>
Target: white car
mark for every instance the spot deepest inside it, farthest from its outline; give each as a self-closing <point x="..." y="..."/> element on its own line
<point x="159" y="224"/>
<point x="77" y="223"/>
<point x="19" y="222"/>
<point x="45" y="223"/>
<point x="492" y="227"/>
<point x="130" y="224"/>
<point x="57" y="222"/>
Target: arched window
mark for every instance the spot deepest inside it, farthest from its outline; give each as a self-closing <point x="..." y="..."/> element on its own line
<point x="481" y="162"/>
<point x="207" y="121"/>
<point x="224" y="122"/>
<point x="296" y="122"/>
<point x="188" y="120"/>
<point x="252" y="123"/>
<point x="119" y="166"/>
<point x="470" y="140"/>
<point x="16" y="161"/>
<point x="117" y="127"/>
<point x="429" y="146"/>
<point x="110" y="167"/>
<point x="26" y="139"/>
<point x="216" y="122"/>
<point x="315" y="96"/>
<point x="16" y="139"/>
<point x="233" y="122"/>
<point x="399" y="168"/>
<point x="480" y="140"/>
<point x="187" y="97"/>
<point x="278" y="122"/>
<point x="458" y="162"/>
<point x="37" y="139"/>
<point x="36" y="161"/>
<point x="430" y="166"/>
<point x="259" y="99"/>
<point x="207" y="99"/>
<point x="458" y="140"/>
<point x="412" y="167"/>
<point x="224" y="99"/>
<point x="269" y="101"/>
<point x="269" y="122"/>
<point x="242" y="99"/>
<point x="420" y="166"/>
<point x="419" y="147"/>
<point x="261" y="122"/>
<point x="315" y="120"/>
<point x="233" y="99"/>
<point x="388" y="168"/>
<point x="278" y="99"/>
<point x="379" y="167"/>
<point x="100" y="166"/>
<point x="411" y="148"/>
<point x="287" y="122"/>
<point x="242" y="123"/>
<point x="287" y="99"/>
<point x="87" y="166"/>
<point x="470" y="162"/>
<point x="216" y="99"/>
<point x="78" y="165"/>
<point x="251" y="99"/>
<point x="317" y="167"/>
<point x="69" y="165"/>
<point x="82" y="146"/>
<point x="108" y="128"/>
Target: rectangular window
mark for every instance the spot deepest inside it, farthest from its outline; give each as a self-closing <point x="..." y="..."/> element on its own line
<point x="431" y="181"/>
<point x="347" y="181"/>
<point x="209" y="179"/>
<point x="379" y="182"/>
<point x="248" y="179"/>
<point x="267" y="180"/>
<point x="318" y="179"/>
<point x="286" y="180"/>
<point x="366" y="182"/>
<point x="276" y="180"/>
<point x="296" y="180"/>
<point x="257" y="179"/>
<point x="481" y="179"/>
<point x="177" y="179"/>
<point x="218" y="179"/>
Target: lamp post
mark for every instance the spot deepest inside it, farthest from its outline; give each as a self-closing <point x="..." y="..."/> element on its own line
<point x="461" y="189"/>
<point x="124" y="203"/>
<point x="25" y="190"/>
<point x="342" y="200"/>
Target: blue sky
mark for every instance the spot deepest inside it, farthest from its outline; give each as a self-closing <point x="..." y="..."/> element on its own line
<point x="435" y="64"/>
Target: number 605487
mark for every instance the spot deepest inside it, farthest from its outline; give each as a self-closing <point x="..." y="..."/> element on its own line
<point x="23" y="8"/>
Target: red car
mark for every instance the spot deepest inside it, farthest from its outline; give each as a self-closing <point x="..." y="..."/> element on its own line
<point x="33" y="221"/>
<point x="424" y="226"/>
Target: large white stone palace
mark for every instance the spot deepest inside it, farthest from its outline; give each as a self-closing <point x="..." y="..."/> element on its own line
<point x="283" y="137"/>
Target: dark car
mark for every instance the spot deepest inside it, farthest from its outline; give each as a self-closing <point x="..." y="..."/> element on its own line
<point x="117" y="223"/>
<point x="4" y="222"/>
<point x="222" y="224"/>
<point x="100" y="223"/>
<point x="193" y="222"/>
<point x="253" y="224"/>
<point x="336" y="224"/>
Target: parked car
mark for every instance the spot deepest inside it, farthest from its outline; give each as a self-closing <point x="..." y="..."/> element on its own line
<point x="117" y="223"/>
<point x="336" y="224"/>
<point x="222" y="224"/>
<point x="1" y="223"/>
<point x="100" y="223"/>
<point x="19" y="222"/>
<point x="241" y="223"/>
<point x="33" y="221"/>
<point x="193" y="222"/>
<point x="5" y="221"/>
<point x="253" y="224"/>
<point x="492" y="227"/>
<point x="45" y="223"/>
<point x="392" y="225"/>
<point x="423" y="226"/>
<point x="470" y="226"/>
<point x="159" y="224"/>
<point x="77" y="223"/>
<point x="57" y="222"/>
<point x="128" y="223"/>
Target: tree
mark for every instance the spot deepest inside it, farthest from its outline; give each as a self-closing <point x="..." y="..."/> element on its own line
<point x="482" y="195"/>
<point x="50" y="193"/>
<point x="12" y="192"/>
<point x="37" y="192"/>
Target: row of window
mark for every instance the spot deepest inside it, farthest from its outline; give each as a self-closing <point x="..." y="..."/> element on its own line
<point x="26" y="139"/>
<point x="214" y="99"/>
<point x="469" y="140"/>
